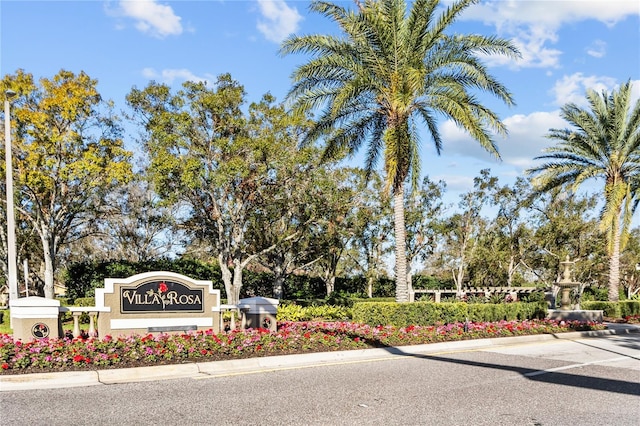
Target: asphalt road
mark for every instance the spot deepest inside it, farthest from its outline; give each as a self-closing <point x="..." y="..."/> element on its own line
<point x="588" y="381"/>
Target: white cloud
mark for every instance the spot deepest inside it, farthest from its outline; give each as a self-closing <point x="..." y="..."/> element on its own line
<point x="531" y="42"/>
<point x="552" y="13"/>
<point x="526" y="139"/>
<point x="527" y="133"/>
<point x="635" y="90"/>
<point x="573" y="88"/>
<point x="152" y="18"/>
<point x="169" y="76"/>
<point x="455" y="183"/>
<point x="597" y="49"/>
<point x="533" y="24"/>
<point x="279" y="20"/>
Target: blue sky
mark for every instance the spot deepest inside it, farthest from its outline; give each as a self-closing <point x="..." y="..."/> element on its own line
<point x="567" y="47"/>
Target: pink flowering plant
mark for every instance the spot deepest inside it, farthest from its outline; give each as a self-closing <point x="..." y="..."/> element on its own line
<point x="65" y="354"/>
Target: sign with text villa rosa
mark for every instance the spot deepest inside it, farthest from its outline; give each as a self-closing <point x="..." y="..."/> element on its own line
<point x="161" y="296"/>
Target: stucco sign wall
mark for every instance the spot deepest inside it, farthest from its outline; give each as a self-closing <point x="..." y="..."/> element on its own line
<point x="155" y="300"/>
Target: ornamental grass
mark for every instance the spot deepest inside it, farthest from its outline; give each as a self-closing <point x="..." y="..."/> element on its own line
<point x="78" y="354"/>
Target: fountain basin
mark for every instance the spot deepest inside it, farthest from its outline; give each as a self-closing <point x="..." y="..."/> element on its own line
<point x="575" y="315"/>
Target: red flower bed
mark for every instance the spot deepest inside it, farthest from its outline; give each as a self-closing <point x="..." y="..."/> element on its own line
<point x="66" y="354"/>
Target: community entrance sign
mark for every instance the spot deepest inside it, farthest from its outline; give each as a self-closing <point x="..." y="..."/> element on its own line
<point x="156" y="301"/>
<point x="153" y="302"/>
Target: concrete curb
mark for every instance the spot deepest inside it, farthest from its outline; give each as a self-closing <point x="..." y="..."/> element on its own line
<point x="48" y="380"/>
<point x="260" y="364"/>
<point x="143" y="374"/>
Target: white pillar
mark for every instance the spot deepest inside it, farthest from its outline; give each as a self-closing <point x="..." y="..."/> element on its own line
<point x="92" y="327"/>
<point x="76" y="323"/>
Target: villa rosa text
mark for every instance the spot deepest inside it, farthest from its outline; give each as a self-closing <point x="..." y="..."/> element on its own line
<point x="161" y="297"/>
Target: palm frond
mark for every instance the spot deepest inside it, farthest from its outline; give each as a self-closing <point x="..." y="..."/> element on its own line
<point x="393" y="69"/>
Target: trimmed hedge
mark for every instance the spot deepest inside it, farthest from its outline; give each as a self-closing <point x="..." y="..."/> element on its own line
<point x="621" y="309"/>
<point x="483" y="312"/>
<point x="293" y="312"/>
<point x="429" y="313"/>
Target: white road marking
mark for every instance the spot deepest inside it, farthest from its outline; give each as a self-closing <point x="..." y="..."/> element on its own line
<point x="569" y="367"/>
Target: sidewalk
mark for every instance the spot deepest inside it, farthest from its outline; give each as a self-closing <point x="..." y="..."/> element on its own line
<point x="283" y="362"/>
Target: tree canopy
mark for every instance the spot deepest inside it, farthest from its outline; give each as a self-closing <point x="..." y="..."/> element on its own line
<point x="70" y="153"/>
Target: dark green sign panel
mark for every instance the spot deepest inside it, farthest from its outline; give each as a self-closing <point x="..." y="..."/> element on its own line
<point x="161" y="296"/>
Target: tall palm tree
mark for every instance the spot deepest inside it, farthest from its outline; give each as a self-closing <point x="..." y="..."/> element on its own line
<point x="391" y="71"/>
<point x="604" y="143"/>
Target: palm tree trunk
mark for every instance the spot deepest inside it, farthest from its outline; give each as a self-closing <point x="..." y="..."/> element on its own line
<point x="402" y="288"/>
<point x="614" y="263"/>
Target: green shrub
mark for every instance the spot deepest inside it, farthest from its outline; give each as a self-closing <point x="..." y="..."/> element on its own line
<point x="496" y="298"/>
<point x="64" y="301"/>
<point x="328" y="312"/>
<point x="476" y="299"/>
<point x="629" y="307"/>
<point x="373" y="299"/>
<point x="85" y="301"/>
<point x="404" y="314"/>
<point x="290" y="312"/>
<point x="428" y="313"/>
<point x="593" y="293"/>
<point x="507" y="311"/>
<point x="430" y="282"/>
<point x="609" y="309"/>
<point x="621" y="309"/>
<point x="5" y="324"/>
<point x="536" y="296"/>
<point x="294" y="312"/>
<point x="339" y="298"/>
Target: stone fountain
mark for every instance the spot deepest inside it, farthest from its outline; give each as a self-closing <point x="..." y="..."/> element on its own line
<point x="566" y="311"/>
<point x="566" y="284"/>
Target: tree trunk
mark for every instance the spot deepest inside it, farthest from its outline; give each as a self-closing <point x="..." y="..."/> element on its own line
<point x="47" y="246"/>
<point x="614" y="263"/>
<point x="278" y="282"/>
<point x="459" y="277"/>
<point x="402" y="288"/>
<point x="330" y="284"/>
<point x="237" y="284"/>
<point x="226" y="277"/>
<point x="511" y="271"/>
